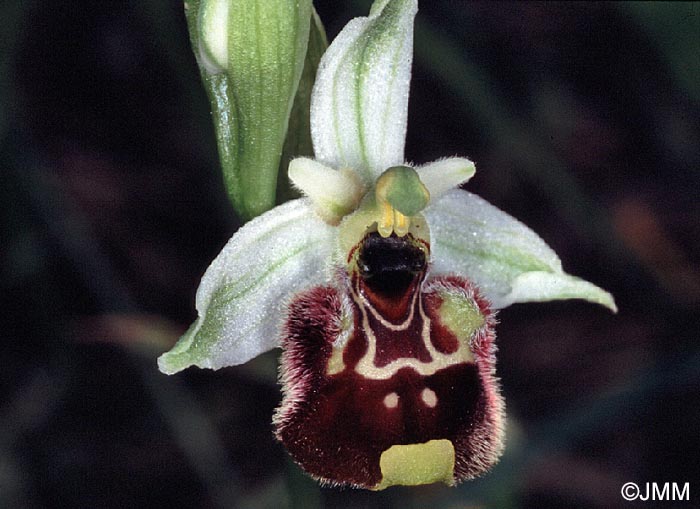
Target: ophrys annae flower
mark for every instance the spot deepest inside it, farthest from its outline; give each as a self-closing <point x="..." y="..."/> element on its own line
<point x="380" y="285"/>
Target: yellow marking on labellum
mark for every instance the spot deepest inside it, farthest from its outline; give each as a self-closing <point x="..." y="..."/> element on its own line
<point x="429" y="397"/>
<point x="364" y="303"/>
<point x="391" y="400"/>
<point x="336" y="363"/>
<point x="345" y="325"/>
<point x="415" y="464"/>
<point x="367" y="366"/>
<point x="460" y="315"/>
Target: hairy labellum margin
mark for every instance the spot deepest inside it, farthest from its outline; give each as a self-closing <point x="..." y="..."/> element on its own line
<point x="388" y="377"/>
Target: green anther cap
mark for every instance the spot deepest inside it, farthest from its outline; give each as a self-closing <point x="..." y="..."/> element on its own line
<point x="401" y="187"/>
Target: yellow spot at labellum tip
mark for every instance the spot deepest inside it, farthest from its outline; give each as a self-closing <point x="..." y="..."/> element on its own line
<point x="415" y="464"/>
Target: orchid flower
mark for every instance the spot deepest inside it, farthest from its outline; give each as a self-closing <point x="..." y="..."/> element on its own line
<point x="380" y="285"/>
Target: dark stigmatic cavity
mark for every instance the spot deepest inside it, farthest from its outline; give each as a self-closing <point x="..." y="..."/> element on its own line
<point x="389" y="265"/>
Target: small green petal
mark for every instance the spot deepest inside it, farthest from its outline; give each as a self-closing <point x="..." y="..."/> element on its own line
<point x="334" y="193"/>
<point x="445" y="174"/>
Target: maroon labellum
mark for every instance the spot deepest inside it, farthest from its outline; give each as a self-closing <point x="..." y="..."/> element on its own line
<point x="389" y="358"/>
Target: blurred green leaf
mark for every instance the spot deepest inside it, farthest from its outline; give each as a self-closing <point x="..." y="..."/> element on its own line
<point x="674" y="27"/>
<point x="11" y="14"/>
<point x="304" y="492"/>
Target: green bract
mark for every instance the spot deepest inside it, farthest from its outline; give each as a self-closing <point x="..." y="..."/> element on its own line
<point x="251" y="56"/>
<point x="358" y="124"/>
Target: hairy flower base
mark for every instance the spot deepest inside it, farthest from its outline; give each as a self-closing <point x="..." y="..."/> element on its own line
<point x="357" y="385"/>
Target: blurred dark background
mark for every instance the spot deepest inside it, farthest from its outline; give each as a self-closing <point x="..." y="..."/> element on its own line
<point x="583" y="119"/>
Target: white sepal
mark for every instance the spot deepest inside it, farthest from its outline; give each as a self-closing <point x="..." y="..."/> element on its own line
<point x="242" y="296"/>
<point x="503" y="257"/>
<point x="360" y="99"/>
